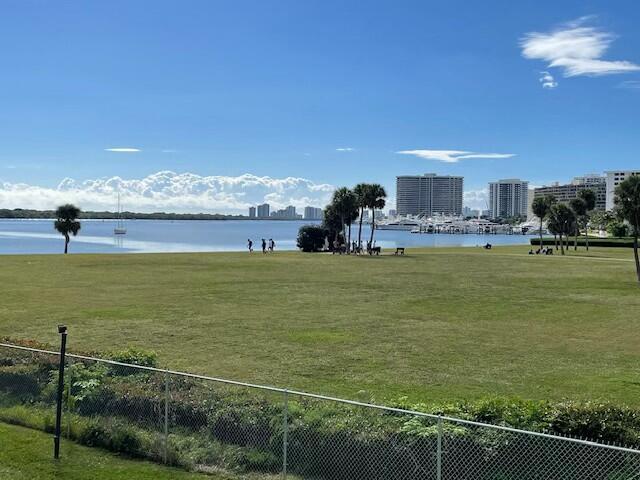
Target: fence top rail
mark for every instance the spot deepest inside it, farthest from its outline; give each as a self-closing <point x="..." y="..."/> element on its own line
<point x="329" y="398"/>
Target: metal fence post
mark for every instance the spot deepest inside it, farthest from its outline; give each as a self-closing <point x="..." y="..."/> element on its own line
<point x="439" y="451"/>
<point x="62" y="330"/>
<point x="166" y="417"/>
<point x="285" y="433"/>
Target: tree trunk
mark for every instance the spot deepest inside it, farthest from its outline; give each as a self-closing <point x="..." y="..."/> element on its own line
<point x="540" y="234"/>
<point x="635" y="254"/>
<point x="555" y="240"/>
<point x="575" y="238"/>
<point x="66" y="244"/>
<point x="373" y="225"/>
<point x="360" y="229"/>
<point x="586" y="235"/>
<point x="561" y="245"/>
<point x="349" y="240"/>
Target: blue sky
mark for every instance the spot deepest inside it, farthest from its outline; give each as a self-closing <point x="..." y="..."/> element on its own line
<point x="217" y="90"/>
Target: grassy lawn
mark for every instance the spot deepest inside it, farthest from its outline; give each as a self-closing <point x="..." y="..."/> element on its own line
<point x="437" y="324"/>
<point x="27" y="454"/>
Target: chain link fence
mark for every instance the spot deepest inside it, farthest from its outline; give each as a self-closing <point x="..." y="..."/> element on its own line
<point x="214" y="425"/>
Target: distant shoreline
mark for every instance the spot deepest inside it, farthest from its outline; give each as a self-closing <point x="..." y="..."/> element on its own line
<point x="25" y="214"/>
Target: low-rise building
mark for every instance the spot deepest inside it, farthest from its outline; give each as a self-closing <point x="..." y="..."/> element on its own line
<point x="613" y="179"/>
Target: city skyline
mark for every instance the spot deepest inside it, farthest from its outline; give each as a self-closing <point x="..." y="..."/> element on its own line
<point x="224" y="107"/>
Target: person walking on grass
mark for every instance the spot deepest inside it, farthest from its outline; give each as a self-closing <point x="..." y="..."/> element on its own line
<point x="264" y="246"/>
<point x="272" y="245"/>
<point x="250" y="245"/>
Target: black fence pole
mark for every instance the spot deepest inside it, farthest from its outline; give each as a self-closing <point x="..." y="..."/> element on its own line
<point x="62" y="330"/>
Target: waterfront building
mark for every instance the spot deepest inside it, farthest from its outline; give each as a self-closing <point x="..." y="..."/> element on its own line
<point x="393" y="213"/>
<point x="567" y="192"/>
<point x="508" y="198"/>
<point x="252" y="212"/>
<point x="312" y="213"/>
<point x="288" y="213"/>
<point x="263" y="210"/>
<point x="613" y="179"/>
<point x="429" y="194"/>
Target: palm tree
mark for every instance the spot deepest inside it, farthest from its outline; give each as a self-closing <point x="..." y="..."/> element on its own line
<point x="541" y="207"/>
<point x="345" y="203"/>
<point x="376" y="196"/>
<point x="562" y="221"/>
<point x="66" y="222"/>
<point x="589" y="198"/>
<point x="360" y="191"/>
<point x="579" y="207"/>
<point x="627" y="201"/>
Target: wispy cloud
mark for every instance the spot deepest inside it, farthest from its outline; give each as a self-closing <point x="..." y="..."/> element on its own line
<point x="576" y="48"/>
<point x="547" y="80"/>
<point x="631" y="84"/>
<point x="345" y="149"/>
<point x="122" y="150"/>
<point x="169" y="150"/>
<point x="452" y="156"/>
<point x="170" y="191"/>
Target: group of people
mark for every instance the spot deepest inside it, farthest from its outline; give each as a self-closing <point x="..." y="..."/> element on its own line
<point x="266" y="246"/>
<point x="341" y="248"/>
<point x="542" y="251"/>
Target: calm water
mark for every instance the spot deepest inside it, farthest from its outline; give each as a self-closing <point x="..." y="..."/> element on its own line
<point x="96" y="236"/>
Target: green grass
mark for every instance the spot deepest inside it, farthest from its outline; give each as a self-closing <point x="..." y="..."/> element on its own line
<point x="27" y="454"/>
<point x="437" y="324"/>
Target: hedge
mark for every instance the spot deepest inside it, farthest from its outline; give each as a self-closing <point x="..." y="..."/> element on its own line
<point x="593" y="242"/>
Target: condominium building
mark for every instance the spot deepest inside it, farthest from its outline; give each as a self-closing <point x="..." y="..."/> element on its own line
<point x="566" y="193"/>
<point x="252" y="212"/>
<point x="508" y="198"/>
<point x="263" y="210"/>
<point x="288" y="213"/>
<point x="429" y="194"/>
<point x="312" y="213"/>
<point x="613" y="179"/>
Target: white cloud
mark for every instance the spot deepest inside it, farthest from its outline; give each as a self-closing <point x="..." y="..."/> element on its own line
<point x="170" y="192"/>
<point x="345" y="149"/>
<point x="452" y="156"/>
<point x="476" y="199"/>
<point x="122" y="150"/>
<point x="575" y="48"/>
<point x="547" y="80"/>
<point x="631" y="84"/>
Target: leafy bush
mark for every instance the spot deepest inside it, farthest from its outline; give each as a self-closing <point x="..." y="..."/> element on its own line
<point x="618" y="230"/>
<point x="311" y="238"/>
<point x="132" y="356"/>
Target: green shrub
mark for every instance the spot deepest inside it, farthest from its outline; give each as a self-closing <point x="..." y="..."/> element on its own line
<point x="132" y="356"/>
<point x="311" y="238"/>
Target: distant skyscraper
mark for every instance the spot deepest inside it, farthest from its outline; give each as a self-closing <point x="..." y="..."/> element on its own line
<point x="312" y="213"/>
<point x="263" y="210"/>
<point x="508" y="198"/>
<point x="252" y="212"/>
<point x="429" y="194"/>
<point x="615" y="178"/>
<point x="393" y="213"/>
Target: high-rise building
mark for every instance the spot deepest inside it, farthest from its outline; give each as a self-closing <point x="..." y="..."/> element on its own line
<point x="263" y="210"/>
<point x="613" y="179"/>
<point x="312" y="213"/>
<point x="566" y="193"/>
<point x="429" y="194"/>
<point x="252" y="212"/>
<point x="288" y="213"/>
<point x="508" y="198"/>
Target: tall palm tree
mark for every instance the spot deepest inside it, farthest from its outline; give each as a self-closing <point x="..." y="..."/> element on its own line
<point x="627" y="201"/>
<point x="579" y="207"/>
<point x="376" y="199"/>
<point x="360" y="190"/>
<point x="345" y="202"/>
<point x="67" y="222"/>
<point x="561" y="220"/>
<point x="589" y="198"/>
<point x="541" y="207"/>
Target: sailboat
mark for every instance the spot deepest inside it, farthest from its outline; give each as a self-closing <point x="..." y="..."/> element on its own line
<point x="119" y="230"/>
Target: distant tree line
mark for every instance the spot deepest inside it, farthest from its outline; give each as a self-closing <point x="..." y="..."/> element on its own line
<point x="28" y="213"/>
